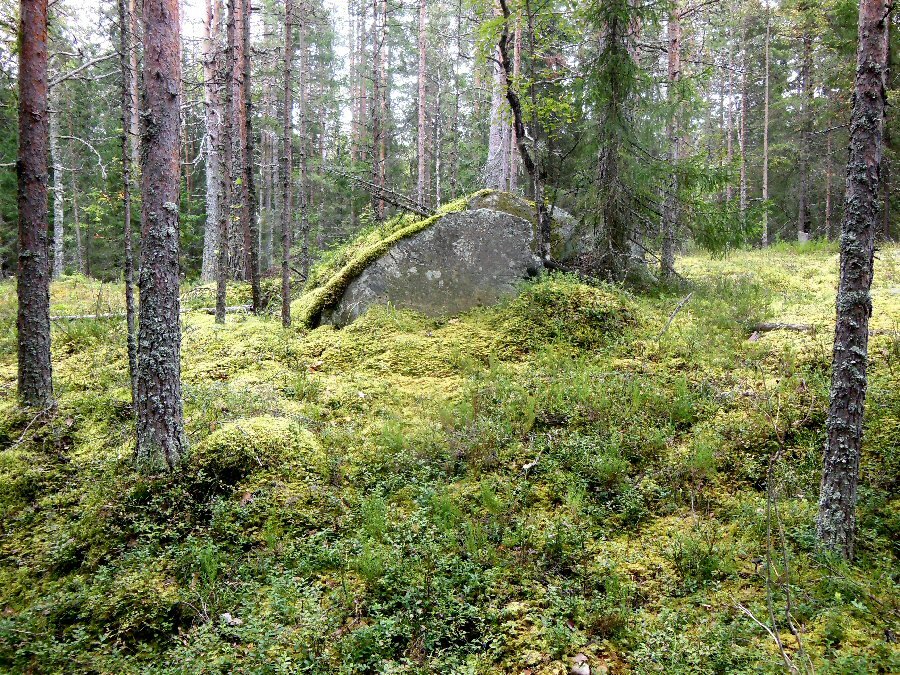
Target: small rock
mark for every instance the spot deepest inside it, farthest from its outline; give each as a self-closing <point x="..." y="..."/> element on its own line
<point x="580" y="665"/>
<point x="231" y="620"/>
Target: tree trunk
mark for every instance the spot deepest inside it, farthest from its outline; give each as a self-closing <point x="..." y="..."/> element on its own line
<point x="125" y="51"/>
<point x="287" y="163"/>
<point x="493" y="169"/>
<point x="238" y="253"/>
<point x="249" y="223"/>
<point x="745" y="114"/>
<point x="160" y="425"/>
<point x="304" y="183"/>
<point x="803" y="212"/>
<point x="765" y="166"/>
<point x="672" y="206"/>
<point x="213" y="100"/>
<point x="226" y="220"/>
<point x="33" y="287"/>
<point x="729" y="126"/>
<point x="517" y="67"/>
<point x="836" y="525"/>
<point x="378" y="22"/>
<point x="420" y="185"/>
<point x="58" y="193"/>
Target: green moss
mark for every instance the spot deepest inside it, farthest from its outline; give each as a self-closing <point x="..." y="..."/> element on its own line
<point x="240" y="447"/>
<point x="489" y="493"/>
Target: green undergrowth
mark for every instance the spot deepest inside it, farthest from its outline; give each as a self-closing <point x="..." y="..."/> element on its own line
<point x="575" y="470"/>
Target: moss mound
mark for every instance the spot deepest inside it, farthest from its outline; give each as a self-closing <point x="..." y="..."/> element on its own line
<point x="238" y="448"/>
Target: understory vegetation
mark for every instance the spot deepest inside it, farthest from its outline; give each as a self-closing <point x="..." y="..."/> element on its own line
<point x="579" y="469"/>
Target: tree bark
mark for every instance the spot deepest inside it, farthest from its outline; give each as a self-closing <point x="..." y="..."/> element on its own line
<point x="125" y="51"/>
<point x="33" y="287"/>
<point x="239" y="255"/>
<point x="58" y="193"/>
<point x="513" y="169"/>
<point x="226" y="222"/>
<point x="672" y="206"/>
<point x="836" y="525"/>
<point x="304" y="182"/>
<point x="378" y="22"/>
<point x="421" y="176"/>
<point x="214" y="113"/>
<point x="804" y="219"/>
<point x="249" y="223"/>
<point x="287" y="163"/>
<point x="160" y="425"/>
<point x="745" y="115"/>
<point x="765" y="166"/>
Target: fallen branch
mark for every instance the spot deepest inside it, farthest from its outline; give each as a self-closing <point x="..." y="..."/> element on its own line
<point x="121" y="315"/>
<point x="674" y="313"/>
<point x="796" y="327"/>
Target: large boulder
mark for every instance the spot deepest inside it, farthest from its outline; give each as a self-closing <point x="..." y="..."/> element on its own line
<point x="463" y="260"/>
<point x="469" y="255"/>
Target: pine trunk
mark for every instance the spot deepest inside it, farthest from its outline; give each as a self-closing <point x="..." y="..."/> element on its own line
<point x="765" y="166"/>
<point x="803" y="212"/>
<point x="836" y="524"/>
<point x="249" y="222"/>
<point x="287" y="162"/>
<point x="160" y="425"/>
<point x="672" y="207"/>
<point x="421" y="178"/>
<point x="33" y="287"/>
<point x="125" y="51"/>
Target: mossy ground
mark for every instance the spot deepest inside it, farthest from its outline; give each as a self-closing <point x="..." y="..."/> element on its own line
<point x="490" y="493"/>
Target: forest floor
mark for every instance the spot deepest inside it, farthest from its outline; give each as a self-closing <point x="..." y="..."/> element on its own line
<point x="574" y="471"/>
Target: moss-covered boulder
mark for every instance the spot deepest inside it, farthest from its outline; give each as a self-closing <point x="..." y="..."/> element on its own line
<point x="470" y="254"/>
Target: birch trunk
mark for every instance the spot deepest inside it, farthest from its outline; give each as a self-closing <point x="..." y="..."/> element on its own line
<point x="58" y="194"/>
<point x="213" y="112"/>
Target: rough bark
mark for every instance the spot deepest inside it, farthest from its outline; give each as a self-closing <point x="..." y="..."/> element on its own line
<point x="33" y="287"/>
<point x="58" y="194"/>
<point x="420" y="104"/>
<point x="304" y="182"/>
<point x="672" y="206"/>
<point x="249" y="223"/>
<point x="125" y="51"/>
<point x="239" y="255"/>
<point x="729" y="124"/>
<point x="513" y="168"/>
<point x="744" y="129"/>
<point x="493" y="169"/>
<point x="765" y="166"/>
<point x="160" y="425"/>
<point x="287" y="162"/>
<point x="213" y="114"/>
<point x="836" y="525"/>
<point x="378" y="22"/>
<point x="804" y="220"/>
<point x="224" y="251"/>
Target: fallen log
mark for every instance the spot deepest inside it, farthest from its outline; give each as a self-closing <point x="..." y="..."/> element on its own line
<point x="796" y="327"/>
